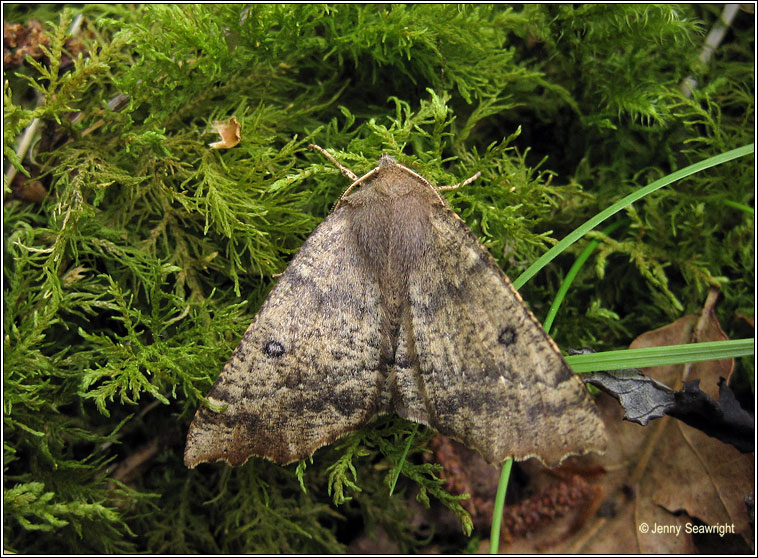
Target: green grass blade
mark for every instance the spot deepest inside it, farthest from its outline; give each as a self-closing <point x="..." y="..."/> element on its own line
<point x="580" y="231"/>
<point x="402" y="458"/>
<point x="497" y="515"/>
<point x="573" y="272"/>
<point x="740" y="206"/>
<point x="661" y="356"/>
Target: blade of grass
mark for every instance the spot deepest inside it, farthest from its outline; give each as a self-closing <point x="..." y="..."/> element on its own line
<point x="402" y="458"/>
<point x="740" y="206"/>
<point x="497" y="518"/>
<point x="573" y="272"/>
<point x="661" y="356"/>
<point x="580" y="231"/>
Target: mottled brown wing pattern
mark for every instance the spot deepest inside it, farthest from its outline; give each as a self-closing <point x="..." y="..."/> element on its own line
<point x="488" y="374"/>
<point x="392" y="303"/>
<point x="310" y="366"/>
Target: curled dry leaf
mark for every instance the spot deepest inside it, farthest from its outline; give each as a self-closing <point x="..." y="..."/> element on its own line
<point x="229" y="130"/>
<point x="645" y="399"/>
<point x="642" y="398"/>
<point x="706" y="478"/>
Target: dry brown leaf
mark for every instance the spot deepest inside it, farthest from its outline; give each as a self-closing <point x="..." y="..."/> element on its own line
<point x="32" y="191"/>
<point x="20" y="41"/>
<point x="748" y="319"/>
<point x="229" y="130"/>
<point x="706" y="478"/>
<point x="669" y="476"/>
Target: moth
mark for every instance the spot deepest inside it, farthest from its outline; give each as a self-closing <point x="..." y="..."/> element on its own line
<point x="393" y="305"/>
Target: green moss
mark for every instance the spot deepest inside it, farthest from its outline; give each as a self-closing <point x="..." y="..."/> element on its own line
<point x="129" y="286"/>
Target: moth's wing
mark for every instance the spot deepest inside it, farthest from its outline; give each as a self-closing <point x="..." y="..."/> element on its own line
<point x="309" y="368"/>
<point x="474" y="362"/>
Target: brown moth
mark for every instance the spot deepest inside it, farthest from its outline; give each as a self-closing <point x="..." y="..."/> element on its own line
<point x="392" y="304"/>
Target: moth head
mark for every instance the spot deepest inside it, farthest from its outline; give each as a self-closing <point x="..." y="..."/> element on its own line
<point x="387" y="160"/>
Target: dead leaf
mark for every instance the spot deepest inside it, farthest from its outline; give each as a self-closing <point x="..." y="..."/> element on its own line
<point x="644" y="399"/>
<point x="717" y="478"/>
<point x="748" y="319"/>
<point x="668" y="476"/>
<point x="229" y="130"/>
<point x="32" y="191"/>
<point x="20" y="41"/>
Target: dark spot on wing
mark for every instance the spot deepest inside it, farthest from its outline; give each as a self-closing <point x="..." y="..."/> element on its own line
<point x="274" y="349"/>
<point x="508" y="336"/>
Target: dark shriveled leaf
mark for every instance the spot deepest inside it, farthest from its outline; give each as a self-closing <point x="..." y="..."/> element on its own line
<point x="645" y="399"/>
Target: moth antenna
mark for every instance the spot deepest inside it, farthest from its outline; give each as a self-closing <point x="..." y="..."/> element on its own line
<point x="462" y="184"/>
<point x="343" y="169"/>
<point x="357" y="181"/>
<point x="423" y="181"/>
